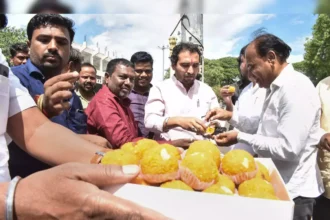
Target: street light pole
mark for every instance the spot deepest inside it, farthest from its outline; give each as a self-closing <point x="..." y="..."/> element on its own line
<point x="163" y="48"/>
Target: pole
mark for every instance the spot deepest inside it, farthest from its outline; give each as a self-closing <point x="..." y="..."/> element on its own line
<point x="163" y="48"/>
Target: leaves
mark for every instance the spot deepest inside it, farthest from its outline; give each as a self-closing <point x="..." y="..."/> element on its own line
<point x="10" y="36"/>
<point x="317" y="50"/>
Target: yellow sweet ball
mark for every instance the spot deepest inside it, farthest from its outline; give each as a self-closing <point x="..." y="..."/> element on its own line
<point x="225" y="181"/>
<point x="237" y="162"/>
<point x="263" y="172"/>
<point x="255" y="186"/>
<point x="231" y="89"/>
<point x="171" y="150"/>
<point x="159" y="160"/>
<point x="128" y="147"/>
<point x="205" y="146"/>
<point x="176" y="184"/>
<point x="219" y="189"/>
<point x="201" y="165"/>
<point x="143" y="145"/>
<point x="119" y="157"/>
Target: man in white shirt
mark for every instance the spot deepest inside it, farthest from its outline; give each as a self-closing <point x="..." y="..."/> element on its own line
<point x="289" y="127"/>
<point x="176" y="106"/>
<point x="68" y="191"/>
<point x="248" y="107"/>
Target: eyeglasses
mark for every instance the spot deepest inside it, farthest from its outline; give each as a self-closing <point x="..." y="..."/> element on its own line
<point x="149" y="71"/>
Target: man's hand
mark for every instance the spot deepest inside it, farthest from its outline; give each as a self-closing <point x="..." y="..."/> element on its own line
<point x="57" y="93"/>
<point x="182" y="143"/>
<point x="98" y="140"/>
<point x="218" y="114"/>
<point x="191" y="124"/>
<point x="226" y="139"/>
<point x="226" y="95"/>
<point x="325" y="142"/>
<point x="71" y="191"/>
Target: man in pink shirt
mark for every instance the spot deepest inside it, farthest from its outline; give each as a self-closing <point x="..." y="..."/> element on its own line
<point x="176" y="106"/>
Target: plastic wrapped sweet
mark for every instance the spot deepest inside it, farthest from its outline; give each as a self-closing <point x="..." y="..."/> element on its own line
<point x="263" y="172"/>
<point x="205" y="146"/>
<point x="158" y="165"/>
<point x="226" y="181"/>
<point x="239" y="165"/>
<point x="255" y="186"/>
<point x="219" y="189"/>
<point x="140" y="181"/>
<point x="198" y="170"/>
<point x="119" y="157"/>
<point x="176" y="184"/>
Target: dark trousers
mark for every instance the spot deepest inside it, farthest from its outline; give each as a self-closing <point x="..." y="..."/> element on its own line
<point x="322" y="209"/>
<point x="303" y="209"/>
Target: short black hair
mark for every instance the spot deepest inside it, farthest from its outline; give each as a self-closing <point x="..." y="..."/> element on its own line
<point x="75" y="56"/>
<point x="3" y="21"/>
<point x="50" y="19"/>
<point x="40" y="6"/>
<point x="18" y="47"/>
<point x="113" y="63"/>
<point x="266" y="42"/>
<point x="3" y="7"/>
<point x="183" y="46"/>
<point x="241" y="53"/>
<point x="88" y="65"/>
<point x="142" y="57"/>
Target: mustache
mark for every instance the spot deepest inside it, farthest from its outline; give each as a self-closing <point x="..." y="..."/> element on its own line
<point x="88" y="83"/>
<point x="54" y="54"/>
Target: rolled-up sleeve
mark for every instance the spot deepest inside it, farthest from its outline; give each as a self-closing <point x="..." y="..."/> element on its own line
<point x="155" y="110"/>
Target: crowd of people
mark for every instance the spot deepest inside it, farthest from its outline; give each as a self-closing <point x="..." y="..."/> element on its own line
<point x="51" y="116"/>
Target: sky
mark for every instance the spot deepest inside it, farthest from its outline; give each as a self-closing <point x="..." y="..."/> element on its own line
<point x="125" y="27"/>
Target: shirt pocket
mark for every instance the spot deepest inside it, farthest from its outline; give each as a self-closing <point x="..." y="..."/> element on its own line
<point x="202" y="108"/>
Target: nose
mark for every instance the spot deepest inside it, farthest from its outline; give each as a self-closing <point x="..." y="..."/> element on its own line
<point x="24" y="61"/>
<point x="88" y="79"/>
<point x="52" y="45"/>
<point x="143" y="73"/>
<point x="190" y="69"/>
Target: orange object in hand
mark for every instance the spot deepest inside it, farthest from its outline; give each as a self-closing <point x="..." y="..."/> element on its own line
<point x="231" y="89"/>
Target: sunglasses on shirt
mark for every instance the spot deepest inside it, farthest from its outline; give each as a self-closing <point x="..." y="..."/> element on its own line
<point x="146" y="71"/>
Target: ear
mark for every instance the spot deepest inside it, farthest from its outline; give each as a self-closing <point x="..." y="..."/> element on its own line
<point x="28" y="43"/>
<point x="106" y="77"/>
<point x="271" y="56"/>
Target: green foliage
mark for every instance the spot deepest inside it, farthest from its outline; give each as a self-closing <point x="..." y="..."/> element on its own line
<point x="10" y="36"/>
<point x="323" y="7"/>
<point x="167" y="74"/>
<point x="220" y="72"/>
<point x="317" y="50"/>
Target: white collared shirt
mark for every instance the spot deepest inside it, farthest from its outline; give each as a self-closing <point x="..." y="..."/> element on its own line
<point x="247" y="111"/>
<point x="289" y="131"/>
<point x="14" y="98"/>
<point x="170" y="99"/>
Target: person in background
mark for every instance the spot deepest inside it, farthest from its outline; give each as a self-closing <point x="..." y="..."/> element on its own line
<point x="49" y="7"/>
<point x="143" y="67"/>
<point x="248" y="107"/>
<point x="86" y="84"/>
<point x="19" y="54"/>
<point x="289" y="128"/>
<point x="70" y="191"/>
<point x="50" y="37"/>
<point x="321" y="209"/>
<point x="244" y="79"/>
<point x="176" y="106"/>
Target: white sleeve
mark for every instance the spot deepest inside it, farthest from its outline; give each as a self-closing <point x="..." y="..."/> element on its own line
<point x="19" y="98"/>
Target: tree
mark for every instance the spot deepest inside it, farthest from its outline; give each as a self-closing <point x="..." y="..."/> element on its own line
<point x="10" y="36"/>
<point x="220" y="72"/>
<point x="317" y="50"/>
<point x="300" y="66"/>
<point x="323" y="7"/>
<point x="167" y="74"/>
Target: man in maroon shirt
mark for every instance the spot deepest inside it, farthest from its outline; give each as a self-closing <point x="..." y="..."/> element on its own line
<point x="108" y="113"/>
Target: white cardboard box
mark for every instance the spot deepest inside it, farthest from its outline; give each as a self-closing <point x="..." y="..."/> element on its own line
<point x="187" y="205"/>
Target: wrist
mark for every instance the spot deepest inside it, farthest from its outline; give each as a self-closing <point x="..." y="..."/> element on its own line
<point x="229" y="115"/>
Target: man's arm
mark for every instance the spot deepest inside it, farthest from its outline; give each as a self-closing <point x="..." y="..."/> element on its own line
<point x="47" y="141"/>
<point x="154" y="111"/>
<point x="297" y="117"/>
<point x="110" y="124"/>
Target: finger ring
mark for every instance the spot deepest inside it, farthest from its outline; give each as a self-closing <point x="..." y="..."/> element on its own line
<point x="193" y="129"/>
